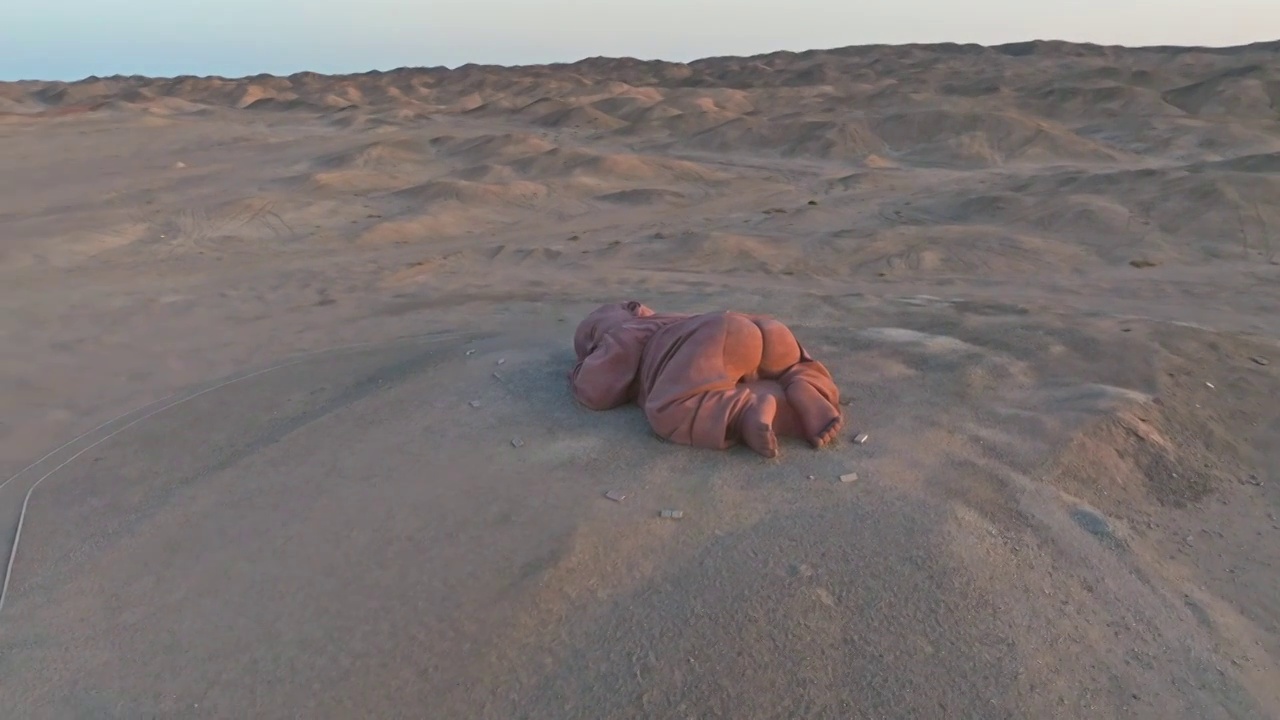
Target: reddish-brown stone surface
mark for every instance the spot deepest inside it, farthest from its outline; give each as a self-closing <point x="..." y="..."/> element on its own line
<point x="710" y="380"/>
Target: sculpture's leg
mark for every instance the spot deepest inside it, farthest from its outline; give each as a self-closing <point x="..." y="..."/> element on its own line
<point x="696" y="396"/>
<point x="813" y="397"/>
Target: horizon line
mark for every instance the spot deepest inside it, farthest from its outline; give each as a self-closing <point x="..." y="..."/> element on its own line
<point x="1256" y="45"/>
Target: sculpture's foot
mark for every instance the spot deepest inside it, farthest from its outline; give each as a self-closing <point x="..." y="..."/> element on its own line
<point x="756" y="426"/>
<point x="829" y="433"/>
<point x="819" y="418"/>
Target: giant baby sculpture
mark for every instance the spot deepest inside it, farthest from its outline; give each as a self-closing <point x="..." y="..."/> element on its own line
<point x="710" y="380"/>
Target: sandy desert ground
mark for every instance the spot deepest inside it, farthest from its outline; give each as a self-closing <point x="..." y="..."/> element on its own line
<point x="1044" y="274"/>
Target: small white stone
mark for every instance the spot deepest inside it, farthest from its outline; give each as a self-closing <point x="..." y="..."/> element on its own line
<point x="849" y="477"/>
<point x="517" y="442"/>
<point x="471" y="352"/>
<point x="862" y="438"/>
<point x="502" y="361"/>
<point x="474" y="403"/>
<point x="615" y="496"/>
<point x="1209" y="384"/>
<point x="672" y="514"/>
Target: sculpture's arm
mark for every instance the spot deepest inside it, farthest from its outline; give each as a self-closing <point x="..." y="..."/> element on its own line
<point x="604" y="379"/>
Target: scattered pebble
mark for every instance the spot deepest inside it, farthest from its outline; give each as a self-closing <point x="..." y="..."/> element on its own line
<point x="502" y="361"/>
<point x="471" y="352"/>
<point x="517" y="442"/>
<point x="672" y="514"/>
<point x="179" y="165"/>
<point x="1209" y="384"/>
<point x="861" y="438"/>
<point x="615" y="496"/>
<point x="811" y="477"/>
<point x="1260" y="360"/>
<point x="474" y="403"/>
<point x="498" y="375"/>
<point x="849" y="477"/>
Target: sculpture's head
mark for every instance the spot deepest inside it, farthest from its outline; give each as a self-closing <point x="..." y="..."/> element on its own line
<point x="601" y="320"/>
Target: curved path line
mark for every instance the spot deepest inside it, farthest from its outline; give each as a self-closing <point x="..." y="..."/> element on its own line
<point x="22" y="515"/>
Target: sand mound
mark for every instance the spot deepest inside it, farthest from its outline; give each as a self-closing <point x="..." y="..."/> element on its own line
<point x="85" y="92"/>
<point x="1245" y="92"/>
<point x="564" y="163"/>
<point x="628" y="108"/>
<point x="543" y="107"/>
<point x="1137" y="461"/>
<point x="499" y="107"/>
<point x="663" y="120"/>
<point x="1172" y="449"/>
<point x="819" y="139"/>
<point x="643" y="196"/>
<point x="487" y="173"/>
<point x="492" y="148"/>
<point x="1265" y="163"/>
<point x="281" y="105"/>
<point x="378" y="156"/>
<point x="440" y="224"/>
<point x="580" y="117"/>
<point x="1070" y="101"/>
<point x="347" y="181"/>
<point x="17" y="108"/>
<point x="519" y="193"/>
<point x="1213" y="214"/>
<point x="946" y="137"/>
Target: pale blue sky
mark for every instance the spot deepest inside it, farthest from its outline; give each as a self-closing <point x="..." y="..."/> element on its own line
<point x="68" y="39"/>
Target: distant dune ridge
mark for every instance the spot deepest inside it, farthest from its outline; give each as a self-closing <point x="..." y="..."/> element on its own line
<point x="1045" y="275"/>
<point x="1201" y="120"/>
